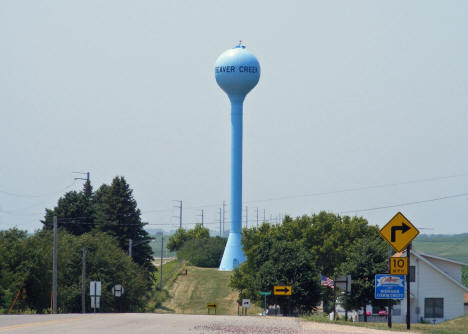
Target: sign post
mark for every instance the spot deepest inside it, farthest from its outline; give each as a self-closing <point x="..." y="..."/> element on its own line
<point x="245" y="305"/>
<point x="95" y="293"/>
<point x="408" y="304"/>
<point x="283" y="290"/>
<point x="399" y="233"/>
<point x="343" y="282"/>
<point x="389" y="286"/>
<point x="211" y="306"/>
<point x="265" y="294"/>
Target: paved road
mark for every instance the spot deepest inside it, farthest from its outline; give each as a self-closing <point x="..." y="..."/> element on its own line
<point x="139" y="323"/>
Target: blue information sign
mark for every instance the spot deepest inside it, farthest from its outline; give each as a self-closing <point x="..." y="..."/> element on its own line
<point x="389" y="286"/>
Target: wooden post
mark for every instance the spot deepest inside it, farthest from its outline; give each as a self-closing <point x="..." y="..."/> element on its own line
<point x="408" y="290"/>
<point x="54" y="269"/>
<point x="389" y="313"/>
<point x="14" y="301"/>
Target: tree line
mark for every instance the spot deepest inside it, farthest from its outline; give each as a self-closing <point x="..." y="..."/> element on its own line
<point x="297" y="252"/>
<point x="102" y="222"/>
<point x="197" y="247"/>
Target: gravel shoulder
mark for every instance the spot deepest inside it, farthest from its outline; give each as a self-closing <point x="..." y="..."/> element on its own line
<point x="310" y="327"/>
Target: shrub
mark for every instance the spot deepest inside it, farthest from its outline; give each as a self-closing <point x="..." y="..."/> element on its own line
<point x="203" y="252"/>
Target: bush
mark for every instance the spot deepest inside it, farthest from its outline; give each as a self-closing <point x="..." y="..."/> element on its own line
<point x="203" y="252"/>
<point x="26" y="263"/>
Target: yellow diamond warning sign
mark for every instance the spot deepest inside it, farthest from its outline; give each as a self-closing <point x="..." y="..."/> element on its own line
<point x="399" y="232"/>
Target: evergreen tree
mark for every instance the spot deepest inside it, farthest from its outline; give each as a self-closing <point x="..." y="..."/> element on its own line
<point x="75" y="211"/>
<point x="117" y="214"/>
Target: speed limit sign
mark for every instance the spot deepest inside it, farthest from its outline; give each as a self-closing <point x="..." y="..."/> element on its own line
<point x="398" y="266"/>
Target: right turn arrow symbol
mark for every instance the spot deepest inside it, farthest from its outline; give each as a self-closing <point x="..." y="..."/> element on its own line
<point x="403" y="228"/>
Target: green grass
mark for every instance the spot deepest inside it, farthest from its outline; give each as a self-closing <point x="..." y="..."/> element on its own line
<point x="454" y="326"/>
<point x="191" y="293"/>
<point x="454" y="247"/>
<point x="171" y="270"/>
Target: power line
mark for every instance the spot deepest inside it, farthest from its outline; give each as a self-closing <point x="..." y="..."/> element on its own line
<point x="331" y="192"/>
<point x="342" y="212"/>
<point x="405" y="204"/>
<point x="36" y="195"/>
<point x="384" y="185"/>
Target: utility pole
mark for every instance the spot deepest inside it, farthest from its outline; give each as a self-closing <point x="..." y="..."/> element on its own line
<point x="81" y="178"/>
<point x="130" y="242"/>
<point x="54" y="269"/>
<point x="83" y="282"/>
<point x="220" y="221"/>
<point x="202" y="216"/>
<point x="264" y="216"/>
<point x="161" y="266"/>
<point x="246" y="217"/>
<point x="224" y="212"/>
<point x="180" y="215"/>
<point x="180" y="212"/>
<point x="257" y="221"/>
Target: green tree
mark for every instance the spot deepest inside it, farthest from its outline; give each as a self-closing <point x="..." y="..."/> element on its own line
<point x="329" y="238"/>
<point x="181" y="236"/>
<point x="177" y="240"/>
<point x="366" y="258"/>
<point x="15" y="263"/>
<point x="204" y="252"/>
<point x="117" y="214"/>
<point x="75" y="211"/>
<point x="322" y="243"/>
<point x="277" y="257"/>
<point x="105" y="261"/>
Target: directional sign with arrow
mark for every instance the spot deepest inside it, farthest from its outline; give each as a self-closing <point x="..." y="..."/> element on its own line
<point x="211" y="306"/>
<point x="399" y="232"/>
<point x="282" y="290"/>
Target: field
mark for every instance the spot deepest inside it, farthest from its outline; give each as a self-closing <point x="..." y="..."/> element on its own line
<point x="192" y="292"/>
<point x="454" y="247"/>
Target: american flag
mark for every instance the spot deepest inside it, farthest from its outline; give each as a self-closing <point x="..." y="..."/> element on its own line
<point x="326" y="281"/>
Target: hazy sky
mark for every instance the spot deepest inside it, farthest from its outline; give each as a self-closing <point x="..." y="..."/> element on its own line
<point x="353" y="94"/>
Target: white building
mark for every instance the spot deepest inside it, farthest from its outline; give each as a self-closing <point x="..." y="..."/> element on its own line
<point x="466" y="303"/>
<point x="437" y="291"/>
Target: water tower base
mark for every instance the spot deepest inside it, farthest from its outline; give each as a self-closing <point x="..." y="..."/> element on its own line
<point x="233" y="254"/>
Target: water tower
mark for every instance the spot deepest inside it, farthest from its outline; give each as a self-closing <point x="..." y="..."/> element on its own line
<point x="237" y="71"/>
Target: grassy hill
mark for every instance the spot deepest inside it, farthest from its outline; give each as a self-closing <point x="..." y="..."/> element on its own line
<point x="190" y="293"/>
<point x="454" y="247"/>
